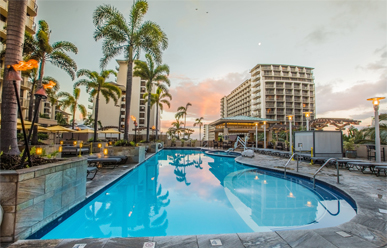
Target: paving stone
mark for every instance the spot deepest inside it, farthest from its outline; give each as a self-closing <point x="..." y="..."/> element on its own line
<point x="339" y="241"/>
<point x="127" y="242"/>
<point x="176" y="242"/>
<point x="262" y="240"/>
<point x="228" y="240"/>
<point x="91" y="243"/>
<point x="305" y="238"/>
<point x="374" y="236"/>
<point x="35" y="243"/>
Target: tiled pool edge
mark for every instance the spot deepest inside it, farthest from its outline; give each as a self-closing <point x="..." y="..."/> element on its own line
<point x="45" y="229"/>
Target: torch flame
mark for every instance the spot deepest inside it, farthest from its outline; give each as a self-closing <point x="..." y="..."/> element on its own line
<point x="133" y="118"/>
<point x="49" y="85"/>
<point x="24" y="66"/>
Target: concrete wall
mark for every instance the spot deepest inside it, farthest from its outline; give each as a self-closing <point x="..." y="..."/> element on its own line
<point x="35" y="196"/>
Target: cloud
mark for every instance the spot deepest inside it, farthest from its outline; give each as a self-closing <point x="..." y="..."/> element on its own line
<point x="319" y="35"/>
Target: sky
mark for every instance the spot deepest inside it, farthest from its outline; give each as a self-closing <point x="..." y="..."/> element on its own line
<point x="214" y="44"/>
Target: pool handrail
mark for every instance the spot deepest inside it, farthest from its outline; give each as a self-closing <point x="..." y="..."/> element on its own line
<point x="326" y="162"/>
<point x="287" y="163"/>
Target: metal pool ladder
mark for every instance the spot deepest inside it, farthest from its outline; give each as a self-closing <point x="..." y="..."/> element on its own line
<point x="287" y="163"/>
<point x="326" y="162"/>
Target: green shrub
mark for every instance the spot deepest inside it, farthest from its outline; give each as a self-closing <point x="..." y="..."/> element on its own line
<point x="124" y="143"/>
<point x="42" y="136"/>
<point x="92" y="140"/>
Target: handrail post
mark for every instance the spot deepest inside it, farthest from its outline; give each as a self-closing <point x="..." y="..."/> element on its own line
<point x="297" y="162"/>
<point x="338" y="175"/>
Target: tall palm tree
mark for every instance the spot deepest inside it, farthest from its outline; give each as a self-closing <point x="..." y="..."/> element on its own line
<point x="55" y="54"/>
<point x="198" y="122"/>
<point x="177" y="124"/>
<point x="13" y="53"/>
<point x="159" y="98"/>
<point x="129" y="37"/>
<point x="96" y="84"/>
<point x="154" y="76"/>
<point x="72" y="102"/>
<point x="182" y="112"/>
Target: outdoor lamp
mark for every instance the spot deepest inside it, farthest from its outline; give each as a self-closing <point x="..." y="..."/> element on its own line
<point x="99" y="145"/>
<point x="39" y="151"/>
<point x="105" y="151"/>
<point x="290" y="133"/>
<point x="110" y="143"/>
<point x="307" y="115"/>
<point x="75" y="143"/>
<point x="256" y="135"/>
<point x="375" y="102"/>
<point x="60" y="149"/>
<point x="61" y="142"/>
<point x="264" y="134"/>
<point x="80" y="145"/>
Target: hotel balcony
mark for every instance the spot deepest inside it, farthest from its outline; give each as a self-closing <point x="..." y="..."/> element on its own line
<point x="256" y="90"/>
<point x="32" y="8"/>
<point x="3" y="8"/>
<point x="270" y="105"/>
<point x="24" y="103"/>
<point x="3" y="32"/>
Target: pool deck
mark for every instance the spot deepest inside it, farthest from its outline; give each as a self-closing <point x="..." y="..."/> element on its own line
<point x="367" y="229"/>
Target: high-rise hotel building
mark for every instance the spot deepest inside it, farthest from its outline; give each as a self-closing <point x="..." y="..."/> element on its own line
<point x="274" y="92"/>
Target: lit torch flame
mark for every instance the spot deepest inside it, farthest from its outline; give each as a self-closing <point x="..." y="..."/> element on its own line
<point x="24" y="66"/>
<point x="133" y="118"/>
<point x="49" y="85"/>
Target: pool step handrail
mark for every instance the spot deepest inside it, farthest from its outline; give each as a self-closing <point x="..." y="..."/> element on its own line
<point x="287" y="163"/>
<point x="230" y="150"/>
<point x="322" y="166"/>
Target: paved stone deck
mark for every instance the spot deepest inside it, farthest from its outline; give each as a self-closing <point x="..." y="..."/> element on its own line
<point x="367" y="229"/>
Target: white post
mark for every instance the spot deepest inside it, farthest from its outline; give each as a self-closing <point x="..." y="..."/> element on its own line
<point x="291" y="136"/>
<point x="264" y="135"/>
<point x="377" y="134"/>
<point x="307" y="123"/>
<point x="256" y="135"/>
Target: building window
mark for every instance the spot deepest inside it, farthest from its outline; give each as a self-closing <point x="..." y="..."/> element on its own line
<point x="142" y="121"/>
<point x="142" y="115"/>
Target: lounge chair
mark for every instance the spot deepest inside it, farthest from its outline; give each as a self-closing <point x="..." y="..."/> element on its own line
<point x="362" y="166"/>
<point x="104" y="161"/>
<point x="91" y="170"/>
<point x="380" y="168"/>
<point x="123" y="158"/>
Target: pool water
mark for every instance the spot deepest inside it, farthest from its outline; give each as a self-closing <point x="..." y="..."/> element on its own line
<point x="185" y="192"/>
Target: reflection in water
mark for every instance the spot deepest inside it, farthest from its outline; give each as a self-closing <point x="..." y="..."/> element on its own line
<point x="186" y="192"/>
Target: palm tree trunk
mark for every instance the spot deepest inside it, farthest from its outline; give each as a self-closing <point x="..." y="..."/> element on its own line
<point x="13" y="54"/>
<point x="200" y="134"/>
<point x="75" y="109"/>
<point x="129" y="81"/>
<point x="31" y="103"/>
<point x="34" y="139"/>
<point x="148" y="114"/>
<point x="157" y="119"/>
<point x="96" y="115"/>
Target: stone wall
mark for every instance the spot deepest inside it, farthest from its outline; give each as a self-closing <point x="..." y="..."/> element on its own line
<point x="35" y="196"/>
<point x="135" y="154"/>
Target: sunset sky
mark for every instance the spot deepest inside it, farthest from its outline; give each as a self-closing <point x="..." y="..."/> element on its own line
<point x="210" y="54"/>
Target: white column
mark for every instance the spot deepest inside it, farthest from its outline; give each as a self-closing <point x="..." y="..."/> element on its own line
<point x="291" y="136"/>
<point x="264" y="135"/>
<point x="256" y="135"/>
<point x="307" y="123"/>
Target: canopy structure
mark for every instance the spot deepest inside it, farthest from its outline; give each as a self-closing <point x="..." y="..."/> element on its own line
<point x="86" y="131"/>
<point x="109" y="131"/>
<point x="339" y="123"/>
<point x="239" y="125"/>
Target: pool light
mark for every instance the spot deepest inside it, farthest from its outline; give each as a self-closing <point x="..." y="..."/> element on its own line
<point x="130" y="213"/>
<point x="264" y="181"/>
<point x="309" y="204"/>
<point x="256" y="178"/>
<point x="291" y="195"/>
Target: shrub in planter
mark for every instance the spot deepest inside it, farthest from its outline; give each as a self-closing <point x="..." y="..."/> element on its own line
<point x="350" y="148"/>
<point x="124" y="143"/>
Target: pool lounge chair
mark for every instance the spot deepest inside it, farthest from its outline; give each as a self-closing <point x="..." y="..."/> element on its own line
<point x="362" y="166"/>
<point x="104" y="161"/>
<point x="90" y="170"/>
<point x="379" y="169"/>
<point x="123" y="158"/>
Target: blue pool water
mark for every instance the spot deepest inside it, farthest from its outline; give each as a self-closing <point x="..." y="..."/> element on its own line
<point x="185" y="192"/>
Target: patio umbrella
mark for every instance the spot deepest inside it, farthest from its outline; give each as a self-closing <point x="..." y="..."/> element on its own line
<point x="40" y="129"/>
<point x="59" y="129"/>
<point x="25" y="122"/>
<point x="111" y="131"/>
<point x="86" y="131"/>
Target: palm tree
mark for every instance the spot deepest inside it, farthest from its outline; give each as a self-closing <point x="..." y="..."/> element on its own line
<point x="177" y="125"/>
<point x="72" y="102"/>
<point x="129" y="37"/>
<point x="154" y="76"/>
<point x="159" y="98"/>
<point x="369" y="132"/>
<point x="15" y="35"/>
<point x="198" y="122"/>
<point x="96" y="84"/>
<point x="182" y="112"/>
<point x="56" y="54"/>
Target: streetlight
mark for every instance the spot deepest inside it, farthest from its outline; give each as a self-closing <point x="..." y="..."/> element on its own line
<point x="290" y="133"/>
<point x="375" y="102"/>
<point x="135" y="128"/>
<point x="256" y="135"/>
<point x="264" y="134"/>
<point x="307" y="116"/>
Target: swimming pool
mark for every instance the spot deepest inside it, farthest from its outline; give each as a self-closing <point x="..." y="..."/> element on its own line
<point x="185" y="192"/>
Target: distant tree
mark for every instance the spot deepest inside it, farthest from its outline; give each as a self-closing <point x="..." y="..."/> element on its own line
<point x="129" y="37"/>
<point x="199" y="122"/>
<point x="95" y="85"/>
<point x="71" y="101"/>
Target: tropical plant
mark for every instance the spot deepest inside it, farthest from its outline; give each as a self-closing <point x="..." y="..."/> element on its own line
<point x="71" y="101"/>
<point x="129" y="37"/>
<point x="177" y="125"/>
<point x="17" y="12"/>
<point x="154" y="75"/>
<point x="89" y="120"/>
<point x="159" y="98"/>
<point x="350" y="145"/>
<point x="60" y="119"/>
<point x="182" y="112"/>
<point x="369" y="132"/>
<point x="55" y="54"/>
<point x="198" y="122"/>
<point x="95" y="85"/>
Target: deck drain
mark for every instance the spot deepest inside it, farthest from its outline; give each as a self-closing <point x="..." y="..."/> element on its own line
<point x="149" y="245"/>
<point x="343" y="234"/>
<point x="383" y="211"/>
<point x="215" y="242"/>
<point x="79" y="245"/>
